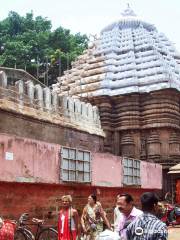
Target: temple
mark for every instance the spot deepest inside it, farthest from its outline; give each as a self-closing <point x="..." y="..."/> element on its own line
<point x="132" y="73"/>
<point x="109" y="125"/>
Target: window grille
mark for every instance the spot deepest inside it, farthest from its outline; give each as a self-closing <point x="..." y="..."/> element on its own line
<point x="131" y="171"/>
<point x="75" y="165"/>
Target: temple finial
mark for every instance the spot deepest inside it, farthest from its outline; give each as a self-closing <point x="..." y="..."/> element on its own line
<point x="128" y="11"/>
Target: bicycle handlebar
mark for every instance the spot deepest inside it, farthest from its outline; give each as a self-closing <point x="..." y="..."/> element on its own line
<point x="36" y="220"/>
<point x="24" y="217"/>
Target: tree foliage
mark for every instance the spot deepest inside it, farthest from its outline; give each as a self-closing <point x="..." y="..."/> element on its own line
<point x="30" y="43"/>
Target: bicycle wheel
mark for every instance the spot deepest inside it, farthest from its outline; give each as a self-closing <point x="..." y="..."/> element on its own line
<point x="23" y="234"/>
<point x="48" y="234"/>
<point x="20" y="235"/>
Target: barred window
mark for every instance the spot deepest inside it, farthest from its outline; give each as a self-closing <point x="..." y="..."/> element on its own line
<point x="131" y="171"/>
<point x="75" y="165"/>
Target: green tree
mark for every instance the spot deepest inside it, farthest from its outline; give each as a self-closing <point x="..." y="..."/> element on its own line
<point x="29" y="43"/>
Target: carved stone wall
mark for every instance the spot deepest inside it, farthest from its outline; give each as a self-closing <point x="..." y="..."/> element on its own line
<point x="127" y="145"/>
<point x="174" y="145"/>
<point x="144" y="126"/>
<point x="153" y="146"/>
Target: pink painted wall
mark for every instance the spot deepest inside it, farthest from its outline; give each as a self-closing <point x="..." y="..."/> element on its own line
<point x="32" y="160"/>
<point x="37" y="161"/>
<point x="151" y="175"/>
<point x="106" y="170"/>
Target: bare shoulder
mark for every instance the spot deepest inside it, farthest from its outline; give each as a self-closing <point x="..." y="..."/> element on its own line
<point x="85" y="208"/>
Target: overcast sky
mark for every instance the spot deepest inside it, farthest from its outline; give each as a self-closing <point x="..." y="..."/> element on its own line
<point x="90" y="16"/>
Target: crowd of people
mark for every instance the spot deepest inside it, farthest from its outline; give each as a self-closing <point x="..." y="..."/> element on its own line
<point x="130" y="223"/>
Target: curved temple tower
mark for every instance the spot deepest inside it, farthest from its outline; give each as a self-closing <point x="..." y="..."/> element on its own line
<point x="132" y="73"/>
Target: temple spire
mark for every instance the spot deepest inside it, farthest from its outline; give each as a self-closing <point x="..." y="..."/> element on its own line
<point x="128" y="12"/>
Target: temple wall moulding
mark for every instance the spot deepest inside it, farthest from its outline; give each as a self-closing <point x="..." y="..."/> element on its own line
<point x="143" y="147"/>
<point x="41" y="102"/>
<point x="174" y="144"/>
<point x="160" y="109"/>
<point x="140" y="111"/>
<point x="153" y="145"/>
<point x="108" y="141"/>
<point x="127" y="145"/>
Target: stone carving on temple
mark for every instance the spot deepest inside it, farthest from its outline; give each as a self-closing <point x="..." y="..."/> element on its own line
<point x="143" y="148"/>
<point x="127" y="145"/>
<point x="174" y="145"/>
<point x="153" y="146"/>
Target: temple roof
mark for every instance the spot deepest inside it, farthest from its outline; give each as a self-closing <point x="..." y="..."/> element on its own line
<point x="129" y="56"/>
<point x="128" y="20"/>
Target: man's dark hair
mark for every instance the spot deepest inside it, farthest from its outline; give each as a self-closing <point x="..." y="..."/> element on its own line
<point x="128" y="197"/>
<point x="148" y="200"/>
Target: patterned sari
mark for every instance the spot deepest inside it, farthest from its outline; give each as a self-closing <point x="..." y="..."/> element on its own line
<point x="93" y="221"/>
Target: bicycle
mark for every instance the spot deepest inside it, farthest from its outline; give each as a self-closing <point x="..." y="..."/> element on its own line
<point x="43" y="232"/>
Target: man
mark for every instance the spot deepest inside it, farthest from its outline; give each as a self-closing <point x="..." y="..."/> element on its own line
<point x="148" y="226"/>
<point x="128" y="213"/>
<point x="68" y="220"/>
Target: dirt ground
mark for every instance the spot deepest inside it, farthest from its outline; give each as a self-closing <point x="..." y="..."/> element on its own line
<point x="174" y="233"/>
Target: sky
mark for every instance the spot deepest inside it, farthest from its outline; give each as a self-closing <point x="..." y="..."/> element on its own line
<point x="91" y="16"/>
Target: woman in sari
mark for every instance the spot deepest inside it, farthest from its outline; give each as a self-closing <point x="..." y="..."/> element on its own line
<point x="92" y="218"/>
<point x="68" y="220"/>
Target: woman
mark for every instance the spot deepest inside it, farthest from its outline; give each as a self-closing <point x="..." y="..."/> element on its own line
<point x="92" y="218"/>
<point x="68" y="220"/>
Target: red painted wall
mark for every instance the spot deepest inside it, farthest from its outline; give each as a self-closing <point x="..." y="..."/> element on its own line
<point x="178" y="191"/>
<point x="38" y="199"/>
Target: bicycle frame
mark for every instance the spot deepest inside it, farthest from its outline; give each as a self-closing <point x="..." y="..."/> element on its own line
<point x="32" y="236"/>
<point x="27" y="232"/>
<point x="25" y="227"/>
